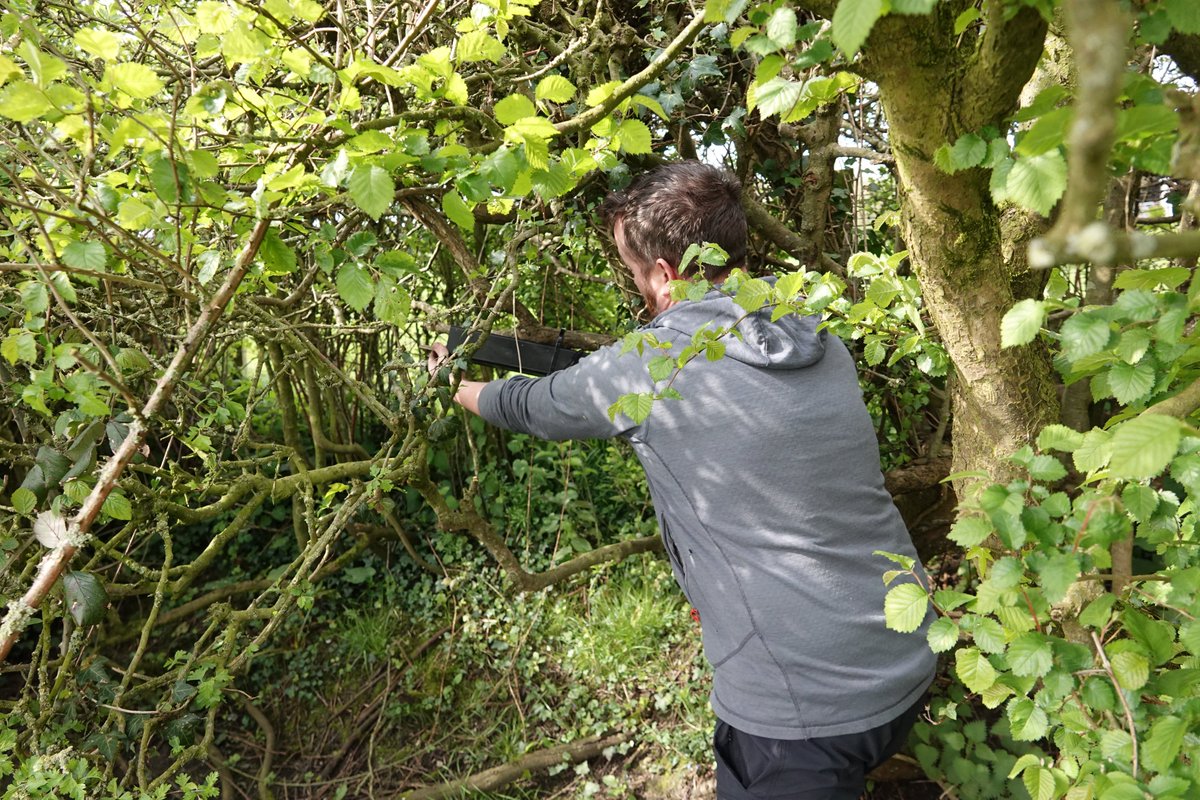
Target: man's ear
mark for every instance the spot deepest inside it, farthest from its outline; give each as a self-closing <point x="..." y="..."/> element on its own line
<point x="667" y="269"/>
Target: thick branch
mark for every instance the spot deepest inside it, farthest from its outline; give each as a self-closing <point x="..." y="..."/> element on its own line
<point x="1097" y="243"/>
<point x="1006" y="56"/>
<point x="498" y="777"/>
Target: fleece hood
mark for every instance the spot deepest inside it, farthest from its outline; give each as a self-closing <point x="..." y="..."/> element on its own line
<point x="790" y="343"/>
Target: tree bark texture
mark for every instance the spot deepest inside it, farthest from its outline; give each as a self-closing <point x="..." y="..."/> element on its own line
<point x="935" y="88"/>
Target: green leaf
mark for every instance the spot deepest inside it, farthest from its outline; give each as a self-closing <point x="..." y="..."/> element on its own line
<point x="1131" y="669"/>
<point x="874" y="352"/>
<point x="781" y="27"/>
<point x="1027" y="722"/>
<point x="1131" y="382"/>
<point x="638" y="406"/>
<point x="1095" y="452"/>
<point x="392" y="302"/>
<point x="634" y="137"/>
<point x="1184" y="15"/>
<point x="1037" y="183"/>
<point x="1057" y="574"/>
<point x="913" y="6"/>
<point x="24" y="102"/>
<point x="458" y="211"/>
<point x="904" y="607"/>
<point x="1046" y="468"/>
<point x="556" y="89"/>
<point x="969" y="151"/>
<point x="1039" y="782"/>
<point x="1047" y="133"/>
<point x="776" y="96"/>
<point x="553" y="182"/>
<point x="1030" y="656"/>
<point x="1169" y="277"/>
<point x="136" y="80"/>
<point x="371" y="189"/>
<point x="19" y="346"/>
<point x="1143" y="121"/>
<point x="24" y="501"/>
<point x="479" y="46"/>
<point x="964" y="20"/>
<point x="99" y="42"/>
<point x="943" y="635"/>
<point x="973" y="669"/>
<point x="1022" y="323"/>
<point x="85" y="255"/>
<point x="117" y="506"/>
<point x="277" y="257"/>
<point x="1140" y="501"/>
<point x="1143" y="446"/>
<point x="1161" y="748"/>
<point x="35" y="298"/>
<point x="1157" y="636"/>
<point x="1084" y="334"/>
<point x="1098" y="612"/>
<point x="513" y="108"/>
<point x="85" y="597"/>
<point x="752" y="294"/>
<point x="1059" y="437"/>
<point x="355" y="286"/>
<point x="970" y="531"/>
<point x="852" y="23"/>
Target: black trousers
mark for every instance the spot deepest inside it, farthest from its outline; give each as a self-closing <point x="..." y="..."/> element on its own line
<point x="753" y="767"/>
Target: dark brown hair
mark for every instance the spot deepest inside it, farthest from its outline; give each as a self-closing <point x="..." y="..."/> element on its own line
<point x="667" y="209"/>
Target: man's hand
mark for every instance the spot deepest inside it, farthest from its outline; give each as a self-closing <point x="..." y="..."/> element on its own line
<point x="468" y="391"/>
<point x="438" y="356"/>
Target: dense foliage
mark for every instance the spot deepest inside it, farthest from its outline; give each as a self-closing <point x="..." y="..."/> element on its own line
<point x="238" y="520"/>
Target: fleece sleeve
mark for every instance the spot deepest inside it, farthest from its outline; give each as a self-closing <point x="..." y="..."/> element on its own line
<point x="572" y="403"/>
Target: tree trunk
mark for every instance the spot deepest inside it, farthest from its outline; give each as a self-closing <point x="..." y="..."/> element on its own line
<point x="935" y="88"/>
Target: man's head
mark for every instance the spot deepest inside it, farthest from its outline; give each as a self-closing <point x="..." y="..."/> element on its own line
<point x="663" y="212"/>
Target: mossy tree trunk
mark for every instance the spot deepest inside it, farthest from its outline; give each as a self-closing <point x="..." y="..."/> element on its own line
<point x="936" y="86"/>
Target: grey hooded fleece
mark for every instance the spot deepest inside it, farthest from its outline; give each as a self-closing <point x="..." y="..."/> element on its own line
<point x="767" y="485"/>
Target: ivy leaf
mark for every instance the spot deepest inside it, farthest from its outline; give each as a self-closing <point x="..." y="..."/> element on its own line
<point x="852" y="23"/>
<point x="942" y="635"/>
<point x="136" y="80"/>
<point x="355" y="286"/>
<point x="973" y="669"/>
<point x="1143" y="446"/>
<point x="1022" y="323"/>
<point x="904" y="607"/>
<point x="85" y="596"/>
<point x="555" y="88"/>
<point x="371" y="189"/>
<point x="1038" y="182"/>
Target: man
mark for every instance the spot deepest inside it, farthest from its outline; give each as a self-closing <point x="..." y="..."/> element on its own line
<point x="766" y="481"/>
